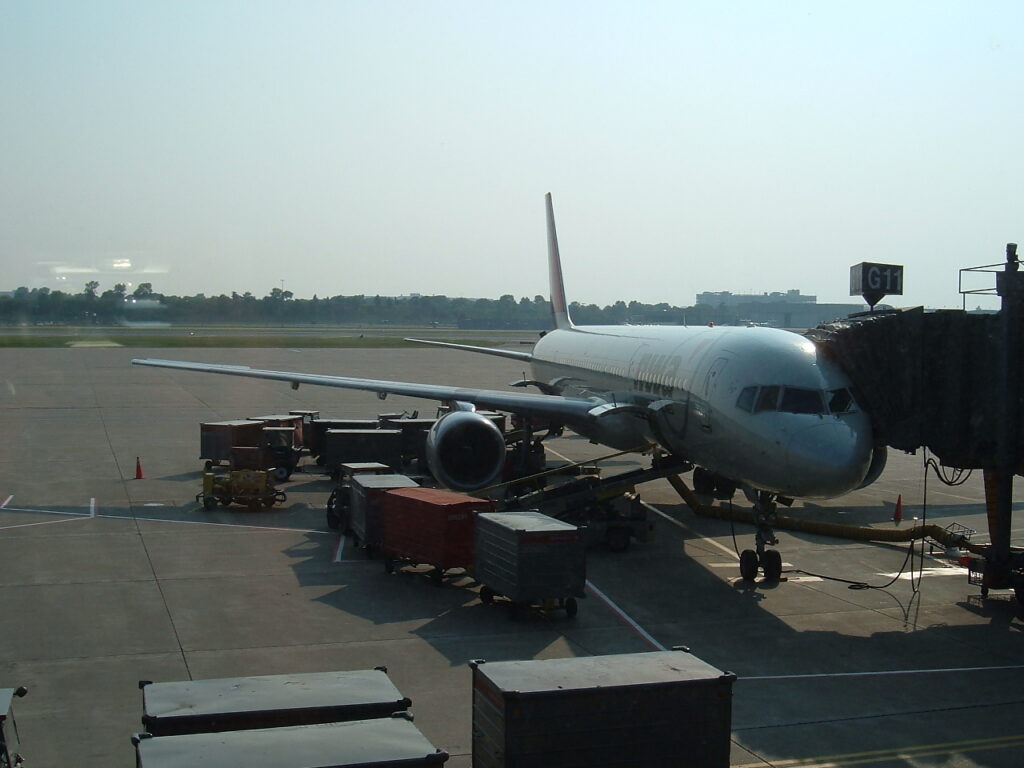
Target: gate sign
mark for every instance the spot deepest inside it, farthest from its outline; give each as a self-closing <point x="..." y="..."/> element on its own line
<point x="873" y="281"/>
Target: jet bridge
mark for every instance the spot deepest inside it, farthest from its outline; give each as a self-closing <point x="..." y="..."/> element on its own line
<point x="949" y="381"/>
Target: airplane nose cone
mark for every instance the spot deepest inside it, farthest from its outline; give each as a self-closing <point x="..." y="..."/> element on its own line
<point x="829" y="459"/>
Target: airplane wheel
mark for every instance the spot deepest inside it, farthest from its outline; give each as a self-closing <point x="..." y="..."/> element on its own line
<point x="772" y="564"/>
<point x="748" y="564"/>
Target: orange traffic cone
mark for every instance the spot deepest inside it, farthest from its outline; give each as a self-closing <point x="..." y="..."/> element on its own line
<point x="138" y="469"/>
<point x="897" y="514"/>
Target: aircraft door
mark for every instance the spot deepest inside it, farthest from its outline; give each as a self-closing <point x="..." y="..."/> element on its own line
<point x="703" y="409"/>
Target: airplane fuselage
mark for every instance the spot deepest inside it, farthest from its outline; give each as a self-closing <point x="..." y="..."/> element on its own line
<point x="761" y="406"/>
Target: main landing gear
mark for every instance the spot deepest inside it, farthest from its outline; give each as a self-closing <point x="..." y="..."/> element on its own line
<point x="769" y="560"/>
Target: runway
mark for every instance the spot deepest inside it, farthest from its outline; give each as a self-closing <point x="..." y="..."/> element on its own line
<point x="107" y="580"/>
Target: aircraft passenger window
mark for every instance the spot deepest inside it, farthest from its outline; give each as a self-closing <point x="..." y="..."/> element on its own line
<point x="746" y="399"/>
<point x="767" y="399"/>
<point x="840" y="401"/>
<point x="795" y="400"/>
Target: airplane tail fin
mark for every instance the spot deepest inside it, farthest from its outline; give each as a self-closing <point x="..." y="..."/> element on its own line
<point x="559" y="307"/>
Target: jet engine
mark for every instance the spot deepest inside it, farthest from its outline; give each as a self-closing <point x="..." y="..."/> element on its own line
<point x="878" y="459"/>
<point x="465" y="451"/>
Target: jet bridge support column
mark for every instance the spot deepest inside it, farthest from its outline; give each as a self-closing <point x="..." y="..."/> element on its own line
<point x="1001" y="570"/>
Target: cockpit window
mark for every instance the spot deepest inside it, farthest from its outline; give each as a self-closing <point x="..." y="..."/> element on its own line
<point x="840" y="401"/>
<point x="746" y="399"/>
<point x="796" y="400"/>
<point x="767" y="399"/>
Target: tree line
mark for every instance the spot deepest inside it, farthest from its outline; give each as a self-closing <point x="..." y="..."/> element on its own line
<point x="43" y="306"/>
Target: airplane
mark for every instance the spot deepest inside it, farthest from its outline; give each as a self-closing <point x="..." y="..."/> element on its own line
<point x="752" y="408"/>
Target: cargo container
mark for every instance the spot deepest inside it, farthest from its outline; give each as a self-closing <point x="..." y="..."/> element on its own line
<point x="414" y="436"/>
<point x="429" y="526"/>
<point x="340" y="500"/>
<point x="317" y="429"/>
<point x="217" y="438"/>
<point x="530" y="558"/>
<point x="365" y="492"/>
<point x="393" y="742"/>
<point x="633" y="710"/>
<point x="10" y="746"/>
<point x="268" y="701"/>
<point x="284" y="420"/>
<point x="342" y="446"/>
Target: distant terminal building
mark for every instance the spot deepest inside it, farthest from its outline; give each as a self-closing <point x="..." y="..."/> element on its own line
<point x="729" y="299"/>
<point x="791" y="309"/>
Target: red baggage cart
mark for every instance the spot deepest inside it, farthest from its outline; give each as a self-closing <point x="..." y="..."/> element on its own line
<point x="429" y="526"/>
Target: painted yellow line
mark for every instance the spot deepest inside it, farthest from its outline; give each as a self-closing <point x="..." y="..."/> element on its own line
<point x="899" y="753"/>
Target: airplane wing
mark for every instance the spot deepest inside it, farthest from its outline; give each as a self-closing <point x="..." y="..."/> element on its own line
<point x="511" y="354"/>
<point x="556" y="407"/>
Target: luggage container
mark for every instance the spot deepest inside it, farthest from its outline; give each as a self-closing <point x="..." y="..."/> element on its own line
<point x="364" y="506"/>
<point x="414" y="436"/>
<point x="284" y="420"/>
<point x="217" y="438"/>
<point x="342" y="446"/>
<point x="530" y="558"/>
<point x="282" y="443"/>
<point x="429" y="526"/>
<point x="268" y="701"/>
<point x="340" y="500"/>
<point x="632" y="710"/>
<point x="10" y="744"/>
<point x="392" y="741"/>
<point x="317" y="429"/>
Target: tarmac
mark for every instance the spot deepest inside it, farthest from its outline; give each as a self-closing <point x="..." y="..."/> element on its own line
<point x="106" y="580"/>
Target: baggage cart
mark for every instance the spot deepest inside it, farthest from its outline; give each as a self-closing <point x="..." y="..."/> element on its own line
<point x="268" y="701"/>
<point x="10" y="743"/>
<point x="429" y="526"/>
<point x="365" y="492"/>
<point x="342" y="446"/>
<point x="414" y="436"/>
<point x="531" y="559"/>
<point x="284" y="420"/>
<point x="217" y="438"/>
<point x="282" y="443"/>
<point x="340" y="500"/>
<point x="392" y="741"/>
<point x="632" y="710"/>
<point x="317" y="429"/>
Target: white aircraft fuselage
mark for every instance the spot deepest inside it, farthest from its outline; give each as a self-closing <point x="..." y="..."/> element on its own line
<point x="751" y="402"/>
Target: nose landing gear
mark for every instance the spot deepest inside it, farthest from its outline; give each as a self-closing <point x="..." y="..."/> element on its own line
<point x="768" y="560"/>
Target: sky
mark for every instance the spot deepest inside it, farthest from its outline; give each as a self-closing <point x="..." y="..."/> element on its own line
<point x="405" y="147"/>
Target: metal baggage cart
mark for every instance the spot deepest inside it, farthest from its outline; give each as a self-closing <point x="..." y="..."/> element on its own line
<point x="531" y="559"/>
<point x="342" y="446"/>
<point x="392" y="741"/>
<point x="268" y="701"/>
<point x="217" y="438"/>
<point x="414" y="436"/>
<point x="632" y="710"/>
<point x="364" y="509"/>
<point x="340" y="500"/>
<point x="429" y="526"/>
<point x="10" y="743"/>
<point x="317" y="429"/>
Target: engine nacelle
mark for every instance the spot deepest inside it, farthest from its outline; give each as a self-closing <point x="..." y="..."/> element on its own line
<point x="465" y="451"/>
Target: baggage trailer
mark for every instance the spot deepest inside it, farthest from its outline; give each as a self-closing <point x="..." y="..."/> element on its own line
<point x="217" y="438"/>
<point x="631" y="710"/>
<point x="531" y="559"/>
<point x="340" y="500"/>
<point x="342" y="446"/>
<point x="268" y="701"/>
<point x="295" y="420"/>
<point x="10" y="744"/>
<point x="393" y="742"/>
<point x="282" y="444"/>
<point x="252" y="488"/>
<point x="365" y="492"/>
<point x="317" y="429"/>
<point x="414" y="436"/>
<point x="429" y="526"/>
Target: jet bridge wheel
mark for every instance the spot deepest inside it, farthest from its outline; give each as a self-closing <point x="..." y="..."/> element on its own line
<point x="748" y="564"/>
<point x="771" y="561"/>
